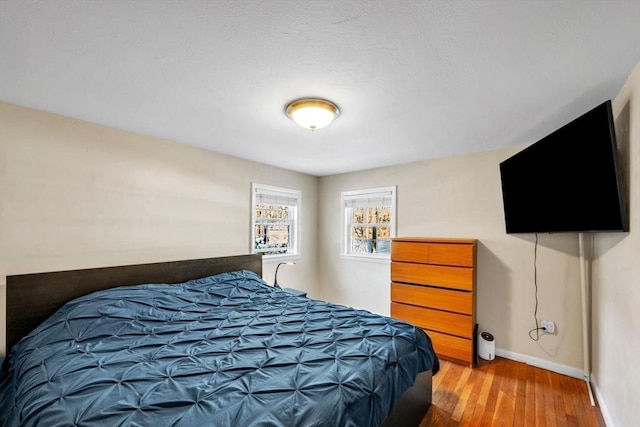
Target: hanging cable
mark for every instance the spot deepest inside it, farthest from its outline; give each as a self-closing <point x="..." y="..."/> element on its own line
<point x="537" y="329"/>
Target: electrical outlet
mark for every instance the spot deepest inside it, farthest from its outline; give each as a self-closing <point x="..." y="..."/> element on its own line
<point x="549" y="326"/>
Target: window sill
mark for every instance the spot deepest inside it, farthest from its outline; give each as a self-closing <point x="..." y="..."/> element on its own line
<point x="272" y="259"/>
<point x="367" y="258"/>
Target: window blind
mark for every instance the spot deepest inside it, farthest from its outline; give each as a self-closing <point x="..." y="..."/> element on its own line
<point x="275" y="198"/>
<point x="368" y="200"/>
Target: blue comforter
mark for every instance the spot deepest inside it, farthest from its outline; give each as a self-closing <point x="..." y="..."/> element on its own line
<point x="226" y="350"/>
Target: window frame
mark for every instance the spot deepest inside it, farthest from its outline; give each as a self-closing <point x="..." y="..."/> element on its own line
<point x="345" y="251"/>
<point x="295" y="220"/>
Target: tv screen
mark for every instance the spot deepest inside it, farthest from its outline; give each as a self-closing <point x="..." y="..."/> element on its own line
<point x="568" y="181"/>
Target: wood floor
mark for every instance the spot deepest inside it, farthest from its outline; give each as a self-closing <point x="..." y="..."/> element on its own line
<point x="508" y="393"/>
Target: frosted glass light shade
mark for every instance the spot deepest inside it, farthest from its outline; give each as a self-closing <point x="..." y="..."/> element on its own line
<point x="312" y="113"/>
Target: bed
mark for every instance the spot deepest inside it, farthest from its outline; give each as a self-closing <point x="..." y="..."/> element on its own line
<point x="203" y="342"/>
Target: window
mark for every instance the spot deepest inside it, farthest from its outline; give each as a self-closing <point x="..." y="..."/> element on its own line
<point x="369" y="222"/>
<point x="275" y="219"/>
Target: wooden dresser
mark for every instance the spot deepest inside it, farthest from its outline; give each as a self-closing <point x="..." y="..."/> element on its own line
<point x="433" y="286"/>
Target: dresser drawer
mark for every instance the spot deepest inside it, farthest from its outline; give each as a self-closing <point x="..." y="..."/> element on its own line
<point x="425" y="296"/>
<point x="423" y="274"/>
<point x="426" y="318"/>
<point x="452" y="347"/>
<point x="453" y="254"/>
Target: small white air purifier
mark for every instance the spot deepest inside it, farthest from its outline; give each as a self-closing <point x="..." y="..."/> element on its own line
<point x="486" y="346"/>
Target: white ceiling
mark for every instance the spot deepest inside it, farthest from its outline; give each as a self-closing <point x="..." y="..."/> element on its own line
<point x="413" y="79"/>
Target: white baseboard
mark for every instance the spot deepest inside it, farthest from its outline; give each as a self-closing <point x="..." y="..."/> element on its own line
<point x="541" y="363"/>
<point x="601" y="404"/>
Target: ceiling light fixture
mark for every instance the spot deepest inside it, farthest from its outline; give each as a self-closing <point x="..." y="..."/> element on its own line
<point x="312" y="113"/>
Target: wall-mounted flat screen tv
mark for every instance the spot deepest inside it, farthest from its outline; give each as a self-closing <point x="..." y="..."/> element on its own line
<point x="569" y="181"/>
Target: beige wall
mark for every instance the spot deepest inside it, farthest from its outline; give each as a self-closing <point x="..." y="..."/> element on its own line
<point x="461" y="197"/>
<point x="78" y="195"/>
<point x="616" y="280"/>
